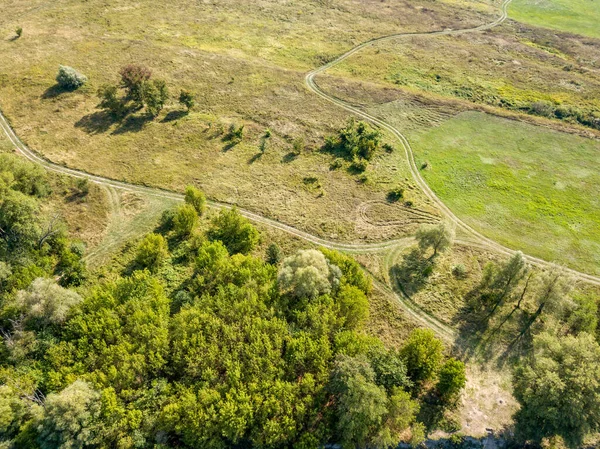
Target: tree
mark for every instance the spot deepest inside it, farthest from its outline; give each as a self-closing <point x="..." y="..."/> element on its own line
<point x="110" y="101"/>
<point x="19" y="31"/>
<point x="69" y="78"/>
<point x="274" y="254"/>
<point x="357" y="140"/>
<point x="187" y="99"/>
<point x="196" y="198"/>
<point x="452" y="379"/>
<point x="133" y="78"/>
<point x="360" y="404"/>
<point x="154" y="95"/>
<point x="559" y="390"/>
<point x="439" y="237"/>
<point x="46" y="302"/>
<point x="235" y="231"/>
<point x="422" y="354"/>
<point x="390" y="369"/>
<point x="306" y="274"/>
<point x="185" y="220"/>
<point x="353" y="305"/>
<point x="152" y="251"/>
<point x="70" y="418"/>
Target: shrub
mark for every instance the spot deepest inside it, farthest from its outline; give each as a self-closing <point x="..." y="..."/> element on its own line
<point x="388" y="148"/>
<point x="235" y="133"/>
<point x="274" y="254"/>
<point x="396" y="194"/>
<point x="195" y="198"/>
<point x="298" y="145"/>
<point x="19" y="31"/>
<point x="459" y="270"/>
<point x="234" y="231"/>
<point x="356" y="140"/>
<point x="187" y="99"/>
<point x="133" y="77"/>
<point x="359" y="166"/>
<point x="185" y="220"/>
<point x="154" y="95"/>
<point x="69" y="78"/>
<point x="152" y="251"/>
<point x="110" y="101"/>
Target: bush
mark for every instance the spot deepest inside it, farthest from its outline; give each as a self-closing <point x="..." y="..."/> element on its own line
<point x="356" y="140"/>
<point x="152" y="252"/>
<point x="185" y="220"/>
<point x="396" y="194"/>
<point x="459" y="271"/>
<point x="452" y="379"/>
<point x="69" y="78"/>
<point x="133" y="77"/>
<point x="110" y="101"/>
<point x="186" y="98"/>
<point x="196" y="199"/>
<point x="234" y="231"/>
<point x="19" y="31"/>
<point x="274" y="254"/>
<point x="154" y="95"/>
<point x="422" y="354"/>
<point x="359" y="166"/>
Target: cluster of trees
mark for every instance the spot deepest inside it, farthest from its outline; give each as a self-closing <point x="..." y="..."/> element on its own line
<point x="357" y="142"/>
<point x="137" y="90"/>
<point x="210" y="346"/>
<point x="557" y="372"/>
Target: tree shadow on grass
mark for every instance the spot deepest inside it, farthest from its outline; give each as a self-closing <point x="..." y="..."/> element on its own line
<point x="412" y="274"/>
<point x="255" y="157"/>
<point x="55" y="91"/>
<point x="290" y="157"/>
<point x="96" y="122"/>
<point x="174" y="115"/>
<point x="133" y="124"/>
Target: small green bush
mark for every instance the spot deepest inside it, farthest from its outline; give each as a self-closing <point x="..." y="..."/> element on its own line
<point x="274" y="254"/>
<point x="185" y="220"/>
<point x="19" y="32"/>
<point x="396" y="194"/>
<point x="196" y="198"/>
<point x="69" y="78"/>
<point x="459" y="271"/>
<point x="186" y="98"/>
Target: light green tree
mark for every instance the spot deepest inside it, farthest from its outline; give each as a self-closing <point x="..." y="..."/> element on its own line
<point x="47" y="302"/>
<point x="306" y="274"/>
<point x="422" y="354"/>
<point x="439" y="238"/>
<point x="452" y="379"/>
<point x="196" y="198"/>
<point x="185" y="220"/>
<point x="152" y="251"/>
<point x="559" y="389"/>
<point x="70" y="418"/>
<point x="354" y="306"/>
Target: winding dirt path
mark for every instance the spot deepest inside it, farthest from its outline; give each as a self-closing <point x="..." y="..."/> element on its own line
<point x="474" y="237"/>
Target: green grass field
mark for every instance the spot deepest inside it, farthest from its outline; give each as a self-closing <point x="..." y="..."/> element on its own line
<point x="575" y="16"/>
<point x="524" y="186"/>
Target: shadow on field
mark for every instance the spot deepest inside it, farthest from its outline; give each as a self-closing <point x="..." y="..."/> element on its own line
<point x="96" y="122"/>
<point x="55" y="91"/>
<point x="174" y="115"/>
<point x="413" y="272"/>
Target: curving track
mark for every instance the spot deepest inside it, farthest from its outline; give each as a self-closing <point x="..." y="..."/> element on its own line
<point x="474" y="237"/>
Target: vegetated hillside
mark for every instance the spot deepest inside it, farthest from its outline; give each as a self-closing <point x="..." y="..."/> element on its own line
<point x="193" y="337"/>
<point x="243" y="61"/>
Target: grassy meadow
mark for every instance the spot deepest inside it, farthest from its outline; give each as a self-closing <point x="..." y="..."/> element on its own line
<point x="245" y="62"/>
<point x="523" y="186"/>
<point x="574" y="16"/>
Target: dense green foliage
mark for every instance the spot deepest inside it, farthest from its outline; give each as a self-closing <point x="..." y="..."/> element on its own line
<point x="356" y="141"/>
<point x="196" y="198"/>
<point x="140" y="92"/>
<point x="235" y="231"/>
<point x="559" y="393"/>
<point x="214" y="348"/>
<point x="69" y="78"/>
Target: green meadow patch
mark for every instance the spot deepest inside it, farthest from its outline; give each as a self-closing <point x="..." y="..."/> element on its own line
<point x="523" y="186"/>
<point x="575" y="16"/>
